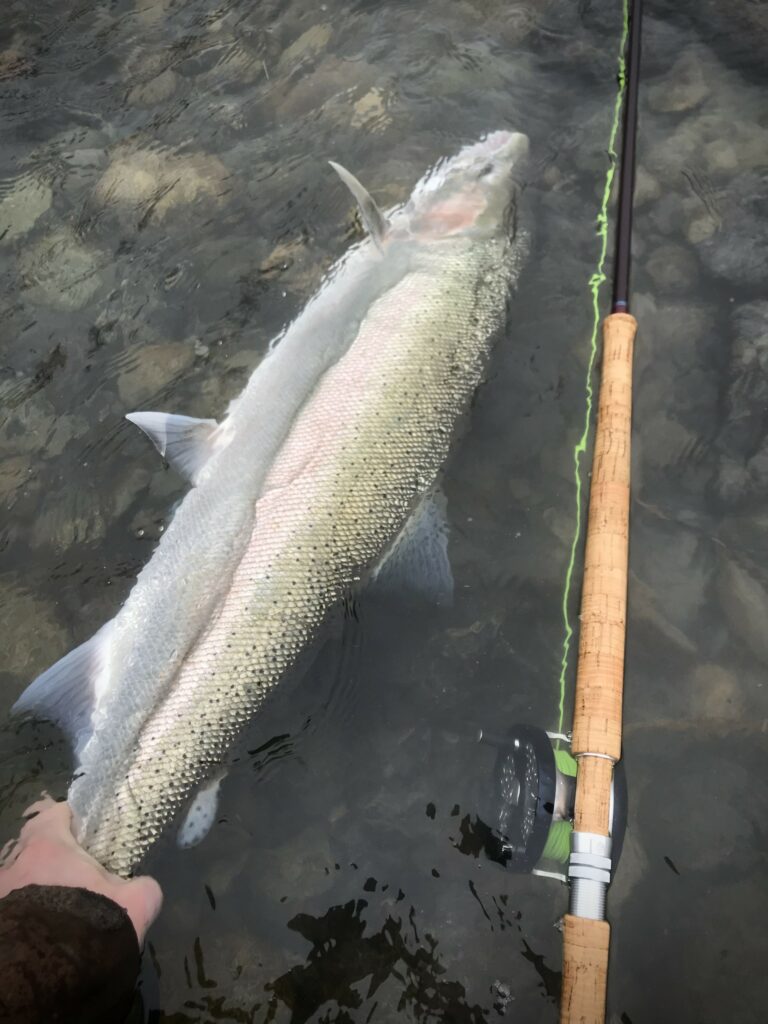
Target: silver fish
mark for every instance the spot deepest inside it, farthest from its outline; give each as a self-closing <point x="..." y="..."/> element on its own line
<point x="313" y="475"/>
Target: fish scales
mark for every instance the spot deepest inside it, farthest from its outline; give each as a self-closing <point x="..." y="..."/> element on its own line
<point x="359" y="450"/>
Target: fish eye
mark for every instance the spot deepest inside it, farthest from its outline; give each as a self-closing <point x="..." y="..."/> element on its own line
<point x="486" y="170"/>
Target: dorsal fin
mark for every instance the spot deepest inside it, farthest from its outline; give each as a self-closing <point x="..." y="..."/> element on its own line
<point x="375" y="221"/>
<point x="67" y="692"/>
<point x="187" y="443"/>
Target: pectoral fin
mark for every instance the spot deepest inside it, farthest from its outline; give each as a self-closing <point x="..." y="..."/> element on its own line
<point x="187" y="443"/>
<point x="418" y="559"/>
<point x="375" y="221"/>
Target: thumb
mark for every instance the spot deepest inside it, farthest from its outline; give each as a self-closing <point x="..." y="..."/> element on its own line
<point x="142" y="899"/>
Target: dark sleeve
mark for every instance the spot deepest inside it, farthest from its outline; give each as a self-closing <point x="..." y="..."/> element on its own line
<point x="66" y="955"/>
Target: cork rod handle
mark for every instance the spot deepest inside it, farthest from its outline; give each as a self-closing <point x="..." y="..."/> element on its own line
<point x="600" y="673"/>
<point x="602" y="631"/>
<point x="585" y="970"/>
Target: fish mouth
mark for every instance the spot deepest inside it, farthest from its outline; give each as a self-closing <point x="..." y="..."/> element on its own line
<point x="506" y="146"/>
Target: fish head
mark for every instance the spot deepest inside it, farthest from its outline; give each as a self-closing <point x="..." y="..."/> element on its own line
<point x="472" y="193"/>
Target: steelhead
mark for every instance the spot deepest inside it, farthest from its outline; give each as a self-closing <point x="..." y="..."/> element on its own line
<point x="318" y="471"/>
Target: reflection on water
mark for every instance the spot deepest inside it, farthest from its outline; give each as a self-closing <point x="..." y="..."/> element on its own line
<point x="165" y="207"/>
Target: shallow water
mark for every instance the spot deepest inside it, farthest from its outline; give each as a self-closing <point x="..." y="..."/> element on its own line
<point x="165" y="208"/>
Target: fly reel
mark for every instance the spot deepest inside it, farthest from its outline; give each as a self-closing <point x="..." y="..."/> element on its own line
<point x="531" y="810"/>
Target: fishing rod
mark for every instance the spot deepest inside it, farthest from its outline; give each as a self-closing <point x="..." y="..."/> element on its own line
<point x="554" y="811"/>
<point x="557" y="804"/>
<point x="596" y="742"/>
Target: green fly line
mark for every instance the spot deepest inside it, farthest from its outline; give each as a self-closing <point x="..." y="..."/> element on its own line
<point x="595" y="284"/>
<point x="558" y="844"/>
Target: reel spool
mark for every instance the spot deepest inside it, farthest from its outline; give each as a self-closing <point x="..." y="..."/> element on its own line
<point x="534" y="791"/>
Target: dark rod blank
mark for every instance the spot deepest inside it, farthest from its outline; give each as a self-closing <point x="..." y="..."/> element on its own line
<point x="627" y="167"/>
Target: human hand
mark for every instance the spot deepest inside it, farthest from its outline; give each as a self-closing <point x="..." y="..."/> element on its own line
<point x="47" y="853"/>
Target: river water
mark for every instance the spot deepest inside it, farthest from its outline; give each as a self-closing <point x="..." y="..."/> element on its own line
<point x="165" y="208"/>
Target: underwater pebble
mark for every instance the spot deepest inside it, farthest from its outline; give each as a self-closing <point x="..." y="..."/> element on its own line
<point x="226" y="870"/>
<point x="156" y="366"/>
<point x="293" y="262"/>
<point x="153" y="13"/>
<point x="673" y="331"/>
<point x="675" y="564"/>
<point x="128" y="485"/>
<point x="68" y="516"/>
<point x="701" y="228"/>
<point x="644" y="610"/>
<point x="683" y="88"/>
<point x="298" y="868"/>
<point x="312" y="91"/>
<point x="38" y="638"/>
<point x="721" y="156"/>
<point x="35" y="427"/>
<point x="515" y="21"/>
<point x="741" y="438"/>
<point x="15" y="476"/>
<point x="738" y="250"/>
<point x="86" y="159"/>
<point x="60" y="271"/>
<point x="743" y="592"/>
<point x="664" y="441"/>
<point x="308" y="43"/>
<point x="716" y="692"/>
<point x="13" y="63"/>
<point x="156" y="90"/>
<point x="647" y="188"/>
<point x="27" y="201"/>
<point x="672" y="268"/>
<point x="370" y="112"/>
<point x="147" y="184"/>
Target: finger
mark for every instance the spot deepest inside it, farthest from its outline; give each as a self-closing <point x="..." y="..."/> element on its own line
<point x="47" y="817"/>
<point x="9" y="853"/>
<point x="142" y="898"/>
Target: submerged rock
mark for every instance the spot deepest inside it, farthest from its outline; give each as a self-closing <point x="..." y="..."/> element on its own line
<point x="152" y="368"/>
<point x="743" y="436"/>
<point x="301" y="869"/>
<point x="308" y="44"/>
<point x="716" y="692"/>
<point x="38" y="637"/>
<point x="27" y="201"/>
<point x="683" y="88"/>
<point x="143" y="185"/>
<point x="149" y="76"/>
<point x="738" y="249"/>
<point x="370" y="112"/>
<point x="743" y="592"/>
<point x="16" y="475"/>
<point x="155" y="90"/>
<point x="13" y="64"/>
<point x="647" y="187"/>
<point x="675" y="565"/>
<point x="721" y="156"/>
<point x="333" y="78"/>
<point x="60" y="271"/>
<point x="68" y="516"/>
<point x="672" y="268"/>
<point x="35" y="427"/>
